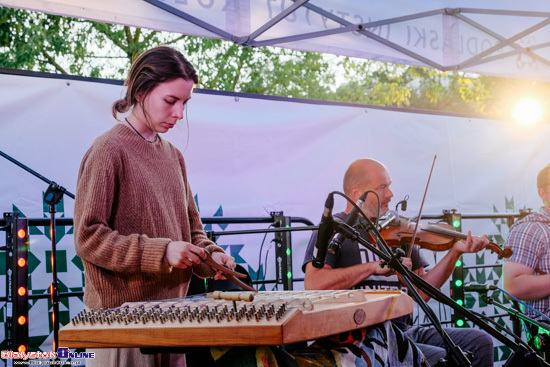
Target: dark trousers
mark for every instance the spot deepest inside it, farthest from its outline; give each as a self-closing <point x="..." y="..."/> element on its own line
<point x="476" y="341"/>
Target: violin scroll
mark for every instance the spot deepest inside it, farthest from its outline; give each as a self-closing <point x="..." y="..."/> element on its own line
<point x="504" y="252"/>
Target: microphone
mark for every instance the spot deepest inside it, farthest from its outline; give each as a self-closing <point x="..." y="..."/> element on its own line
<point x="390" y="217"/>
<point x="403" y="203"/>
<point x="479" y="288"/>
<point x="350" y="220"/>
<point x="324" y="234"/>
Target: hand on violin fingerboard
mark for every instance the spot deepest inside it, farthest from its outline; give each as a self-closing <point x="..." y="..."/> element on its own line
<point x="471" y="244"/>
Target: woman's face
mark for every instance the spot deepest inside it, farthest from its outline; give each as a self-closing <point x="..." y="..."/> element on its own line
<point x="165" y="104"/>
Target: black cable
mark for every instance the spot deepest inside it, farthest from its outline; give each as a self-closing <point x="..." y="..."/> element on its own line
<point x="265" y="260"/>
<point x="260" y="256"/>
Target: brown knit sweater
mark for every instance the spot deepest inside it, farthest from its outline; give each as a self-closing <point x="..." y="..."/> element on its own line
<point x="132" y="199"/>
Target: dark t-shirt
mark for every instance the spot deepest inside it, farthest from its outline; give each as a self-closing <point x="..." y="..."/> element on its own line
<point x="353" y="253"/>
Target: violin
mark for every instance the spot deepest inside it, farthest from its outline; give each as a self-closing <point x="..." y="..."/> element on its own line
<point x="431" y="236"/>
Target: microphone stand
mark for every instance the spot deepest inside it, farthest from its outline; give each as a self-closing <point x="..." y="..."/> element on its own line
<point x="53" y="195"/>
<point x="458" y="358"/>
<point x="513" y="312"/>
<point x="455" y="356"/>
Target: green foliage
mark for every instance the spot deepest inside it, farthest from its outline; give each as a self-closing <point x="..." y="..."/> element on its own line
<point x="33" y="41"/>
<point x="36" y="41"/>
<point x="49" y="43"/>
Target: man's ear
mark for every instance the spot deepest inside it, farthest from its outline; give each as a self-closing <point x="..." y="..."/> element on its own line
<point x="543" y="196"/>
<point x="354" y="194"/>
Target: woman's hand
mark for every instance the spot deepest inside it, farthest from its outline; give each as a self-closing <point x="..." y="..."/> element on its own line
<point x="224" y="259"/>
<point x="181" y="254"/>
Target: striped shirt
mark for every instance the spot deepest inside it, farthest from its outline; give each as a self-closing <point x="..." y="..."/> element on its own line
<point x="529" y="238"/>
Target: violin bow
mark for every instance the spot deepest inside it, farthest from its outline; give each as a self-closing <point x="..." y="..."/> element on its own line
<point x="421" y="206"/>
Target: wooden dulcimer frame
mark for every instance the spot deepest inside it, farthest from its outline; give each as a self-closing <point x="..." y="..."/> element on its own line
<point x="271" y="318"/>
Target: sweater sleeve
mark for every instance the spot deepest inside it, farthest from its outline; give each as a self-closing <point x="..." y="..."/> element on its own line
<point x="95" y="239"/>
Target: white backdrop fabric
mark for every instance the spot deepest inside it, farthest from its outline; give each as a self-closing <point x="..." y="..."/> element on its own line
<point x="249" y="156"/>
<point x="252" y="156"/>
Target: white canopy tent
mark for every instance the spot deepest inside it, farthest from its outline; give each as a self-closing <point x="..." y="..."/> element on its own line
<point x="493" y="37"/>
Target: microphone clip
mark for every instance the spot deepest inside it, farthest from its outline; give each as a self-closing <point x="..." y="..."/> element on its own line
<point x="343" y="231"/>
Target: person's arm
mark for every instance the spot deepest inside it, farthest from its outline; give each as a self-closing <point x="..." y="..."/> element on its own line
<point x="340" y="278"/>
<point x="520" y="281"/>
<point x="529" y="241"/>
<point x="441" y="272"/>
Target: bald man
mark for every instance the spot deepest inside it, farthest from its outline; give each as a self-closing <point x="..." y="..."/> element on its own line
<point x="356" y="267"/>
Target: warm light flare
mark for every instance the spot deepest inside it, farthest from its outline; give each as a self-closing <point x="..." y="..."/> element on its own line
<point x="21" y="291"/>
<point x="21" y="233"/>
<point x="22" y="320"/>
<point x="21" y="262"/>
<point x="22" y="349"/>
<point x="527" y="111"/>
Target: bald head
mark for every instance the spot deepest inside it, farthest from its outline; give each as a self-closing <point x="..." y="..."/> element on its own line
<point x="360" y="173"/>
<point x="368" y="175"/>
<point x="543" y="178"/>
<point x="543" y="185"/>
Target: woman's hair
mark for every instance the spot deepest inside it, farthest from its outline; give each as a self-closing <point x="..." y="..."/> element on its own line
<point x="157" y="65"/>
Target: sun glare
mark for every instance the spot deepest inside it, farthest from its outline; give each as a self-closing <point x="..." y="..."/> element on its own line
<point x="527" y="112"/>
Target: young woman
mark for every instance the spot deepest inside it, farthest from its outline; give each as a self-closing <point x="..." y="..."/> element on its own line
<point x="137" y="228"/>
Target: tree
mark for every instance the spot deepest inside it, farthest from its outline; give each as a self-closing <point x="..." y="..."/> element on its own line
<point x="385" y="84"/>
<point x="33" y="41"/>
<point x="50" y="43"/>
<point x="269" y="71"/>
<point x="36" y="41"/>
